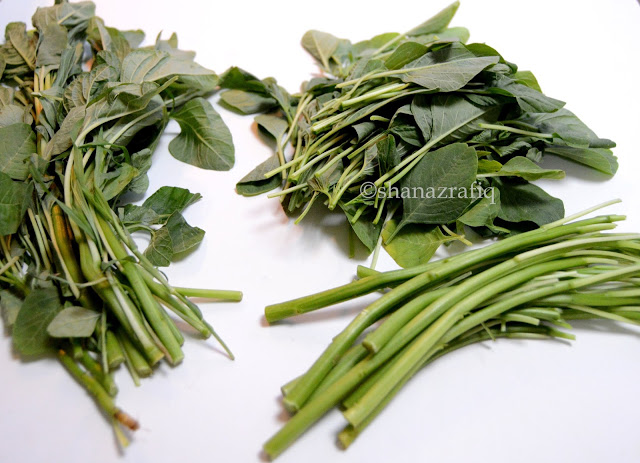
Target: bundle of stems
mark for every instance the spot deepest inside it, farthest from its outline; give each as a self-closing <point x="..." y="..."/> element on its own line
<point x="525" y="286"/>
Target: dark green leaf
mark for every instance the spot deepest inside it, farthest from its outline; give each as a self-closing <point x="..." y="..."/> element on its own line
<point x="564" y="125"/>
<point x="158" y="207"/>
<point x="40" y="307"/>
<point x="438" y="189"/>
<point x="525" y="202"/>
<point x="447" y="118"/>
<point x="247" y="102"/>
<point x="367" y="47"/>
<point x="404" y="54"/>
<point x="10" y="305"/>
<point x="388" y="156"/>
<point x="18" y="143"/>
<point x="255" y="183"/>
<point x="176" y="236"/>
<point x="437" y="22"/>
<point x="447" y="69"/>
<point x="52" y="42"/>
<point x="25" y="46"/>
<point x="320" y="45"/>
<point x="145" y="65"/>
<point x="522" y="167"/>
<point x="483" y="212"/>
<point x="61" y="141"/>
<point x="366" y="231"/>
<point x="235" y="78"/>
<point x="529" y="99"/>
<point x="414" y="244"/>
<point x="598" y="158"/>
<point x="205" y="140"/>
<point x="273" y="125"/>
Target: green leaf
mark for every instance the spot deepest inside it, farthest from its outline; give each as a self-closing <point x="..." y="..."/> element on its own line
<point x="437" y="22"/>
<point x="525" y="202"/>
<point x="414" y="244"/>
<point x="74" y="16"/>
<point x="483" y="212"/>
<point x="255" y="183"/>
<point x="528" y="99"/>
<point x="601" y="159"/>
<point x="61" y="140"/>
<point x="52" y="42"/>
<point x="73" y="322"/>
<point x="447" y="69"/>
<point x="235" y="78"/>
<point x="320" y="45"/>
<point x="10" y="305"/>
<point x="107" y="38"/>
<point x="18" y="143"/>
<point x="158" y="207"/>
<point x="16" y="34"/>
<point x="364" y="228"/>
<point x="367" y="47"/>
<point x="405" y="54"/>
<point x="15" y="197"/>
<point x="40" y="307"/>
<point x="527" y="78"/>
<point x="122" y="100"/>
<point x="134" y="37"/>
<point x="388" y="156"/>
<point x="273" y="125"/>
<point x="564" y="125"/>
<point x="520" y="166"/>
<point x="486" y="166"/>
<point x="14" y="114"/>
<point x="205" y="140"/>
<point x="116" y="181"/>
<point x="247" y="102"/>
<point x="148" y="65"/>
<point x="438" y="189"/>
<point x="175" y="237"/>
<point x="448" y="118"/>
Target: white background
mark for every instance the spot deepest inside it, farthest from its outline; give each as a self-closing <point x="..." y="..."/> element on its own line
<point x="504" y="402"/>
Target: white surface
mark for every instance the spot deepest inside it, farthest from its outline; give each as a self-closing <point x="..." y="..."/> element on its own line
<point x="512" y="401"/>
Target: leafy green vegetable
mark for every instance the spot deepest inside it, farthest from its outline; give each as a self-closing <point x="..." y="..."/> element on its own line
<point x="40" y="307"/>
<point x="439" y="187"/>
<point x="18" y="143"/>
<point x="174" y="237"/>
<point x="82" y="110"/>
<point x="371" y="128"/>
<point x="14" y="200"/>
<point x="158" y="207"/>
<point x="255" y="183"/>
<point x="414" y="244"/>
<point x="205" y="141"/>
<point x="525" y="202"/>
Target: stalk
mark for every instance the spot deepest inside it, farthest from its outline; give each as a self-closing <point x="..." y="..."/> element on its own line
<point x="94" y="388"/>
<point x="439" y="272"/>
<point x="149" y="306"/>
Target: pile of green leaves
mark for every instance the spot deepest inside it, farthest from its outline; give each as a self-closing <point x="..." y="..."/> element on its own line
<point x="414" y="135"/>
<point x="78" y="131"/>
<point x="527" y="286"/>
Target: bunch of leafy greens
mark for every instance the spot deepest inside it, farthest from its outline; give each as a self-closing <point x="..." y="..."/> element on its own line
<point x="82" y="109"/>
<point x="414" y="135"/>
